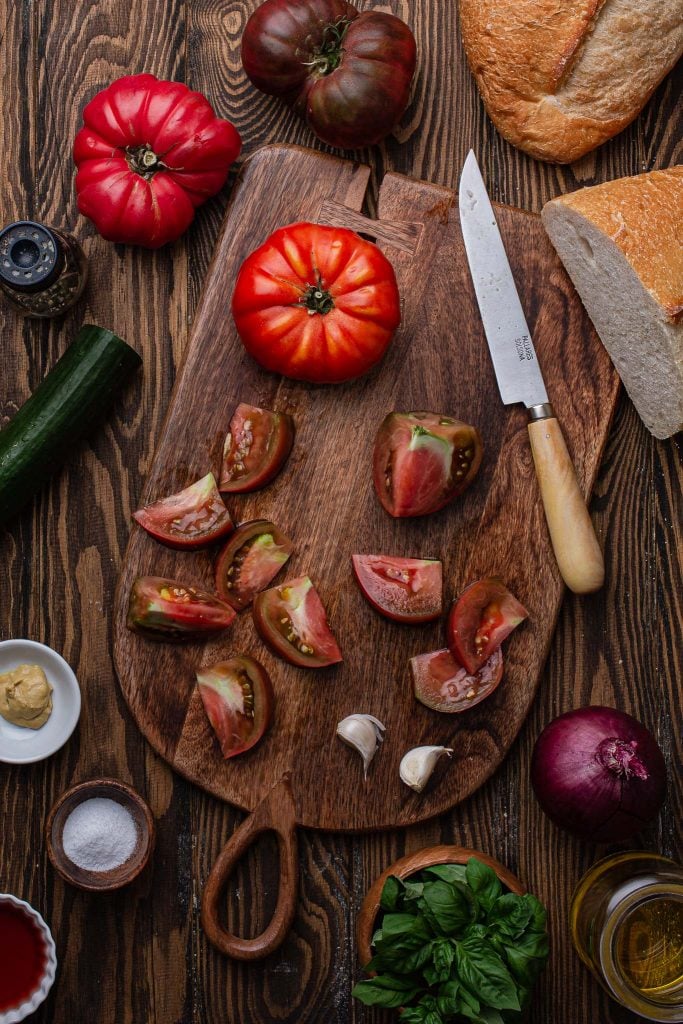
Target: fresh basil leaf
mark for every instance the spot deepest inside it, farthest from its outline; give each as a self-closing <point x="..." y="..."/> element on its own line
<point x="402" y="926"/>
<point x="484" y="882"/>
<point x="421" y="1015"/>
<point x="510" y="915"/>
<point x="527" y="958"/>
<point x="448" y="906"/>
<point x="447" y="1000"/>
<point x="539" y="915"/>
<point x="391" y="893"/>
<point x="386" y="990"/>
<point x="485" y="1016"/>
<point x="443" y="955"/>
<point x="476" y="931"/>
<point x="485" y="974"/>
<point x="413" y="890"/>
<point x="447" y="872"/>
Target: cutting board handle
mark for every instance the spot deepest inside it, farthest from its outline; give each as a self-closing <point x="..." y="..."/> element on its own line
<point x="276" y="813"/>
<point x="403" y="235"/>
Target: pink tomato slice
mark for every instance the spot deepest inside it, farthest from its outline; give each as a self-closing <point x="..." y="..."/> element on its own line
<point x="291" y="620"/>
<point x="441" y="684"/>
<point x="402" y="589"/>
<point x="482" y="617"/>
<point x="189" y="519"/>
<point x="238" y="699"/>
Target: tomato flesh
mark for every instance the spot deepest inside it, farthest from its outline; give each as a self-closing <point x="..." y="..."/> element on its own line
<point x="189" y="519"/>
<point x="249" y="561"/>
<point x="422" y="461"/>
<point x="402" y="589"/>
<point x="291" y="620"/>
<point x="256" y="448"/>
<point x="238" y="698"/>
<point x="316" y="303"/>
<point x="482" y="617"/>
<point x="164" y="607"/>
<point x="441" y="684"/>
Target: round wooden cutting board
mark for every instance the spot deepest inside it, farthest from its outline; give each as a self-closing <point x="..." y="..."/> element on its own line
<point x="324" y="500"/>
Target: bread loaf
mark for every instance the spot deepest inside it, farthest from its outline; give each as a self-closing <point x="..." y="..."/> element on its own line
<point x="559" y="77"/>
<point x="622" y="245"/>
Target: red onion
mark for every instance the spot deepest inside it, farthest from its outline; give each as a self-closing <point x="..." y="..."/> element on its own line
<point x="598" y="773"/>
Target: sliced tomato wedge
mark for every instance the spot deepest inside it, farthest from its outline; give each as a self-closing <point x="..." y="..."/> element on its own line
<point x="255" y="449"/>
<point x="291" y="620"/>
<point x="422" y="461"/>
<point x="238" y="699"/>
<point x="189" y="519"/>
<point x="441" y="684"/>
<point x="402" y="589"/>
<point x="249" y="561"/>
<point x="165" y="607"/>
<point x="484" y="614"/>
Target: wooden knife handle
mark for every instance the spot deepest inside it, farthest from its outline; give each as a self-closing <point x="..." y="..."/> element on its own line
<point x="573" y="538"/>
<point x="276" y="813"/>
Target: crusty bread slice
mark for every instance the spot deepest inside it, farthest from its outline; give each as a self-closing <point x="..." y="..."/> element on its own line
<point x="622" y="245"/>
<point x="559" y="77"/>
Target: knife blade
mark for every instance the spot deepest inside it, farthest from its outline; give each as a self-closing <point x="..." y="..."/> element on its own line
<point x="519" y="378"/>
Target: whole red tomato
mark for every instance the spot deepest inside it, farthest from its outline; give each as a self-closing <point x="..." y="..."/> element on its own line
<point x="149" y="153"/>
<point x="316" y="303"/>
<point x="349" y="74"/>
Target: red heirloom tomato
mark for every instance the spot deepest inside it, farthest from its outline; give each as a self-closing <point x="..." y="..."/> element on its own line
<point x="189" y="519"/>
<point x="441" y="684"/>
<point x="238" y="699"/>
<point x="349" y="74"/>
<point x="252" y="557"/>
<point x="172" y="609"/>
<point x="423" y="460"/>
<point x="149" y="152"/>
<point x="255" y="449"/>
<point x="484" y="614"/>
<point x="403" y="589"/>
<point x="291" y="619"/>
<point x="316" y="303"/>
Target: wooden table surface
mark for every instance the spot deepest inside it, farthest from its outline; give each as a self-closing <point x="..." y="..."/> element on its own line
<point x="140" y="956"/>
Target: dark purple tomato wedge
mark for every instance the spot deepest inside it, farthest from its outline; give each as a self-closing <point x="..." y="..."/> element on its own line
<point x="402" y="589"/>
<point x="422" y="461"/>
<point x="249" y="561"/>
<point x="482" y="617"/>
<point x="291" y="620"/>
<point x="166" y="608"/>
<point x="441" y="684"/>
<point x="256" y="448"/>
<point x="189" y="519"/>
<point x="238" y="699"/>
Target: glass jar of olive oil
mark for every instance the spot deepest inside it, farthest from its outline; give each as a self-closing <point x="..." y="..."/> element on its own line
<point x="627" y="926"/>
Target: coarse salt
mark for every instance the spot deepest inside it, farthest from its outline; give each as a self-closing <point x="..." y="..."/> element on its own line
<point x="99" y="835"/>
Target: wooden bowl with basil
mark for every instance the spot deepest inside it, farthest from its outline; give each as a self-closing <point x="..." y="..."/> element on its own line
<point x="448" y="934"/>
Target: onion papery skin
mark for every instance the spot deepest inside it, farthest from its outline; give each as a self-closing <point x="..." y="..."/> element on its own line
<point x="598" y="773"/>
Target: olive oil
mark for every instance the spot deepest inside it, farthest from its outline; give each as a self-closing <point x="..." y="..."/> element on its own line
<point x="649" y="947"/>
<point x="627" y="926"/>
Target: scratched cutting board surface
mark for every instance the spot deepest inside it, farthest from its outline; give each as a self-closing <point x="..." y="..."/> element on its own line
<point x="324" y="500"/>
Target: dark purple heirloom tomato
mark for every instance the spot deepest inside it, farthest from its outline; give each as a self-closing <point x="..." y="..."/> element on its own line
<point x="347" y="73"/>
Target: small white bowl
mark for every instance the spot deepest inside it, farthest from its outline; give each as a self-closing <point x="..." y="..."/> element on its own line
<point x="30" y="1005"/>
<point x="24" y="746"/>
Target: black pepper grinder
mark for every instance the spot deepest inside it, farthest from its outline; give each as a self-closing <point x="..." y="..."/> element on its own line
<point x="42" y="271"/>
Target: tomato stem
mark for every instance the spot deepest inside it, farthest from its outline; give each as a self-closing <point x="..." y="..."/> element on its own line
<point x="317" y="300"/>
<point x="143" y="160"/>
<point x="328" y="56"/>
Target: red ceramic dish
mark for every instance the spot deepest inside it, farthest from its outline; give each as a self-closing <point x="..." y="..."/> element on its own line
<point x="27" y="955"/>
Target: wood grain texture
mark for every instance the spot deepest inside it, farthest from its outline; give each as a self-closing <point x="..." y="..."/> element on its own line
<point x="325" y="502"/>
<point x="141" y="956"/>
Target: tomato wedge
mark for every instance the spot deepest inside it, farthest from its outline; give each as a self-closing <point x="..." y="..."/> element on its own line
<point x="422" y="461"/>
<point x="252" y="557"/>
<point x="168" y="608"/>
<point x="238" y="699"/>
<point x="256" y="448"/>
<point x="402" y="589"/>
<point x="189" y="519"/>
<point x="484" y="614"/>
<point x="291" y="620"/>
<point x="441" y="684"/>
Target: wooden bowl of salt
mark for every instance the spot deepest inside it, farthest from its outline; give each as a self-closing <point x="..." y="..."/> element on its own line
<point x="100" y="835"/>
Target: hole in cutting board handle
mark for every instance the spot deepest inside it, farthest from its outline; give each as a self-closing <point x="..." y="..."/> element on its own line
<point x="277" y="814"/>
<point x="400" y="235"/>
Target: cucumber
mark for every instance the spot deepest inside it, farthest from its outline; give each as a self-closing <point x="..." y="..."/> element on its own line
<point x="73" y="396"/>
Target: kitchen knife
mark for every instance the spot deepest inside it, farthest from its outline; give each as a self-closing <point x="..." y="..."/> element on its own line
<point x="519" y="379"/>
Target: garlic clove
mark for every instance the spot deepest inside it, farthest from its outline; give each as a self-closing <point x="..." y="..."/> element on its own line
<point x="364" y="733"/>
<point x="418" y="764"/>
